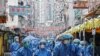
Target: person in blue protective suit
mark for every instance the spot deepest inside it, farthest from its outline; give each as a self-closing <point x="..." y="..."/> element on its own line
<point x="66" y="48"/>
<point x="57" y="42"/>
<point x="35" y="44"/>
<point x="91" y="47"/>
<point x="42" y="51"/>
<point x="26" y="49"/>
<point x="50" y="45"/>
<point x="84" y="48"/>
<point x="76" y="42"/>
<point x="14" y="46"/>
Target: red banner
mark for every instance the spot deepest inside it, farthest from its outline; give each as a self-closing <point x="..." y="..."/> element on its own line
<point x="46" y="30"/>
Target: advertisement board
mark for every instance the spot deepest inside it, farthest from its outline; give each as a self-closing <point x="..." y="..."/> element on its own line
<point x="20" y="10"/>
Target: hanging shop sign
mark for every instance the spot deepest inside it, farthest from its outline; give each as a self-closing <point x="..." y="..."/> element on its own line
<point x="80" y="5"/>
<point x="20" y="10"/>
<point x="2" y="7"/>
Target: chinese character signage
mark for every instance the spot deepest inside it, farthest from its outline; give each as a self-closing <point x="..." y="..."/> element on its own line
<point x="20" y="10"/>
<point x="80" y="5"/>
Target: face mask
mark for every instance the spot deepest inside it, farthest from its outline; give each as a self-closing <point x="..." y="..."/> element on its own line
<point x="66" y="41"/>
<point x="26" y="44"/>
<point x="42" y="46"/>
<point x="83" y="45"/>
<point x="17" y="40"/>
<point x="76" y="44"/>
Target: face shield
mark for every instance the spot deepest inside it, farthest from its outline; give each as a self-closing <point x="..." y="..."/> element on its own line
<point x="16" y="39"/>
<point x="27" y="44"/>
<point x="83" y="43"/>
<point x="42" y="45"/>
<point x="66" y="41"/>
<point x="76" y="41"/>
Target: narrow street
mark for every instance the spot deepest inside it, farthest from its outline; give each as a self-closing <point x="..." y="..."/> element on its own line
<point x="49" y="27"/>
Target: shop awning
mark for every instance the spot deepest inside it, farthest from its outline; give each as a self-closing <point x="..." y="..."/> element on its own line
<point x="90" y="30"/>
<point x="90" y="24"/>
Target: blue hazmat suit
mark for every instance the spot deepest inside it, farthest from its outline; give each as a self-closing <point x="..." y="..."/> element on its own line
<point x="24" y="52"/>
<point x="14" y="47"/>
<point x="34" y="44"/>
<point x="50" y="45"/>
<point x="90" y="49"/>
<point x="27" y="49"/>
<point x="85" y="51"/>
<point x="42" y="52"/>
<point x="78" y="48"/>
<point x="66" y="50"/>
<point x="57" y="43"/>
